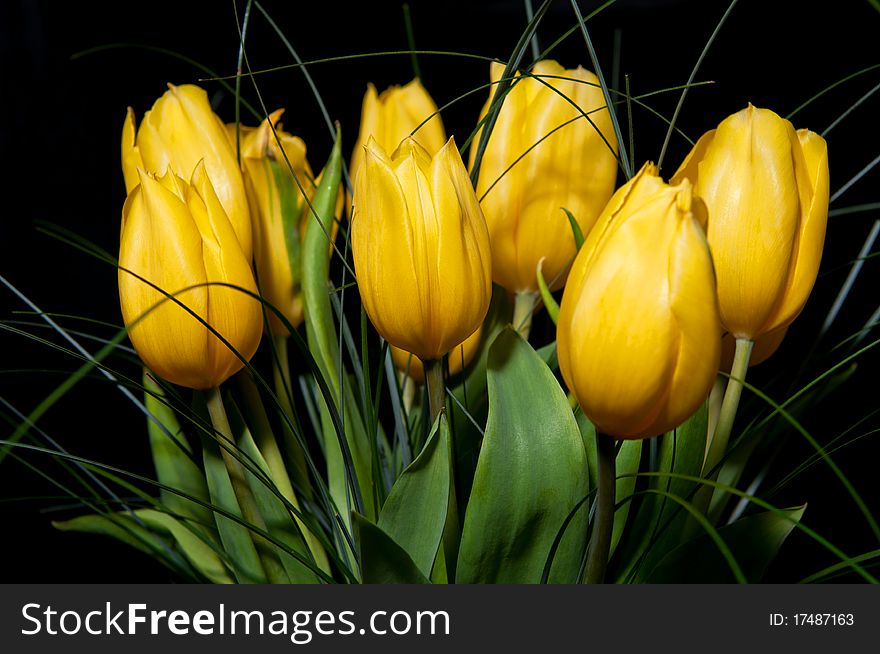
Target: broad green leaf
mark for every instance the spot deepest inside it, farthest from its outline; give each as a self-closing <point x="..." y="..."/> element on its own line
<point x="197" y="551"/>
<point x="415" y="512"/>
<point x="681" y="452"/>
<point x="173" y="459"/>
<point x="548" y="355"/>
<point x="382" y="560"/>
<point x="235" y="537"/>
<point x="280" y="522"/>
<point x="149" y="533"/>
<point x="754" y="542"/>
<point x="323" y="342"/>
<point x="627" y="465"/>
<point x="122" y="528"/>
<point x="471" y="395"/>
<point x="530" y="475"/>
<point x="588" y="435"/>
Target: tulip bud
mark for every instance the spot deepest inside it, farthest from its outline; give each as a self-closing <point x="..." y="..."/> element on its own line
<point x="638" y="336"/>
<point x="279" y="212"/>
<point x="177" y="236"/>
<point x="572" y="167"/>
<point x="391" y="116"/>
<point x="766" y="188"/>
<point x="459" y="358"/>
<point x="420" y="246"/>
<point x="179" y="131"/>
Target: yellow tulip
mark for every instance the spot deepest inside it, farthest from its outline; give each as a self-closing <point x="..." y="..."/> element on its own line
<point x="638" y="336"/>
<point x="573" y="167"/>
<point x="279" y="212"/>
<point x="766" y="188"/>
<point x="177" y="236"/>
<point x="459" y="358"/>
<point x="179" y="131"/>
<point x="420" y="246"/>
<point x="391" y="116"/>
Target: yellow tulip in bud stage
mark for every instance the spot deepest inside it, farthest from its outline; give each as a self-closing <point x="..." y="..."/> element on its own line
<point x="766" y="189"/>
<point x="179" y="131"/>
<point x="572" y="167"/>
<point x="459" y="358"/>
<point x="279" y="212"/>
<point x="177" y="236"/>
<point x="638" y="336"/>
<point x="421" y="248"/>
<point x="392" y="116"/>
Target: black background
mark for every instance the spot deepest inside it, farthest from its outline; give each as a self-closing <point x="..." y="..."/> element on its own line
<point x="59" y="139"/>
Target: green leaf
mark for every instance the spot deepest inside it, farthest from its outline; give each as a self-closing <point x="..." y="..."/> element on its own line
<point x="575" y="230"/>
<point x="173" y="458"/>
<point x="197" y="551"/>
<point x="588" y="435"/>
<point x="681" y="453"/>
<point x="235" y="537"/>
<point x="353" y="460"/>
<point x="383" y="561"/>
<point x="471" y="395"/>
<point x="549" y="302"/>
<point x="628" y="457"/>
<point x="754" y="542"/>
<point x="530" y="475"/>
<point x="280" y="522"/>
<point x="415" y="512"/>
<point x="548" y="355"/>
<point x="121" y="527"/>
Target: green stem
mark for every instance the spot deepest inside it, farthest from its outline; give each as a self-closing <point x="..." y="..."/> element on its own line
<point x="603" y="520"/>
<point x="729" y="404"/>
<point x="268" y="447"/>
<point x="717" y="448"/>
<point x="523" y="308"/>
<point x="246" y="501"/>
<point x="283" y="389"/>
<point x="436" y="387"/>
<point x="714" y="409"/>
<point x="437" y="405"/>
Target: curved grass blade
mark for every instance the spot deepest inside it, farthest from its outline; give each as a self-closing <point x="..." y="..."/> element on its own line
<point x="753" y="542"/>
<point x="690" y="81"/>
<point x="618" y="134"/>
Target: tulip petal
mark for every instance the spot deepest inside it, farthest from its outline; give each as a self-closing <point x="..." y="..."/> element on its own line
<point x="383" y="250"/>
<point x="159" y="231"/>
<point x="131" y="156"/>
<point x="179" y="131"/>
<point x="810" y="238"/>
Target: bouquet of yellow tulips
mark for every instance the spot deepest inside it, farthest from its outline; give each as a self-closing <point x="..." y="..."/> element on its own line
<point x="346" y="369"/>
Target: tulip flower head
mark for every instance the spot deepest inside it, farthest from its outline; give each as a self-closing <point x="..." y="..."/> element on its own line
<point x="393" y="115"/>
<point x="459" y="358"/>
<point x="421" y="248"/>
<point x="638" y="336"/>
<point x="177" y="236"/>
<point x="279" y="211"/>
<point x="553" y="147"/>
<point x="177" y="133"/>
<point x="766" y="188"/>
